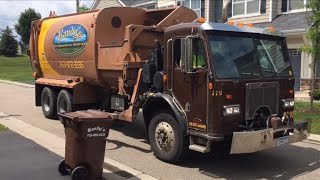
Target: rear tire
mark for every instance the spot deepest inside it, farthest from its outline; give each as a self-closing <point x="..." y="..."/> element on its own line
<point x="64" y="102"/>
<point x="166" y="138"/>
<point x="48" y="103"/>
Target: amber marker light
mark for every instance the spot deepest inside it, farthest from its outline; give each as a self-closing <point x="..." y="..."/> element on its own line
<point x="240" y="24"/>
<point x="230" y="23"/>
<point x="249" y="25"/>
<point x="210" y="86"/>
<point x="34" y="74"/>
<point x="271" y="28"/>
<point x="202" y="20"/>
<point x="165" y="78"/>
<point x="228" y="96"/>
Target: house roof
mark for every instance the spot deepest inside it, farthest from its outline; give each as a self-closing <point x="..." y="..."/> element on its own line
<point x="293" y="22"/>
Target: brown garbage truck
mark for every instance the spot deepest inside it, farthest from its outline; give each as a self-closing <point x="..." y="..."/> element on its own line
<point x="200" y="85"/>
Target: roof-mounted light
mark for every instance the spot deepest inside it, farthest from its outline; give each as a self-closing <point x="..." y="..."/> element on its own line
<point x="230" y="23"/>
<point x="250" y="25"/>
<point x="270" y="28"/>
<point x="240" y="24"/>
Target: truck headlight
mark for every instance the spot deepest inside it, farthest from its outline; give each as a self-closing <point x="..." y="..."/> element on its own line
<point x="231" y="110"/>
<point x="287" y="103"/>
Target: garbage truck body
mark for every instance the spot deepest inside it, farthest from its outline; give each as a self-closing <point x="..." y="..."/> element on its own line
<point x="209" y="87"/>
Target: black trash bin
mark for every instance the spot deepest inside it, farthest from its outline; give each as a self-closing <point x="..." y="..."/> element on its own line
<point x="86" y="134"/>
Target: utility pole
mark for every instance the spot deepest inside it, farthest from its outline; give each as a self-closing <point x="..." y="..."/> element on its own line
<point x="77" y="4"/>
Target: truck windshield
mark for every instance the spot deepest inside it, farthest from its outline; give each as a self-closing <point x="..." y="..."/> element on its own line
<point x="237" y="56"/>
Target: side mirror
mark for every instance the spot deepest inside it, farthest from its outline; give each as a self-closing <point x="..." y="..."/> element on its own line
<point x="188" y="59"/>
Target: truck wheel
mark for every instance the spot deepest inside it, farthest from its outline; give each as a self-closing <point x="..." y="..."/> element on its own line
<point x="166" y="139"/>
<point x="64" y="102"/>
<point x="48" y="103"/>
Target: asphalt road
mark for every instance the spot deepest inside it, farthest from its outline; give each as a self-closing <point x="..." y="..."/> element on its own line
<point x="128" y="146"/>
<point x="21" y="158"/>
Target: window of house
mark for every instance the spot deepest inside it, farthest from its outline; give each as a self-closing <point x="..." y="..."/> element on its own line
<point x="295" y="52"/>
<point x="291" y="5"/>
<point x="195" y="5"/>
<point x="243" y="7"/>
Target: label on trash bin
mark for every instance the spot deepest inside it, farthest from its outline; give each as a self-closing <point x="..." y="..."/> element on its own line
<point x="96" y="132"/>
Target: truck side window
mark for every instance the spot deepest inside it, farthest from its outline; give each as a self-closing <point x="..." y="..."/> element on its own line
<point x="179" y="52"/>
<point x="198" y="54"/>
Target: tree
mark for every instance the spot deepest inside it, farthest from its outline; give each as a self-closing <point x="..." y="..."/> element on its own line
<point x="8" y="44"/>
<point x="83" y="8"/>
<point x="313" y="35"/>
<point x="24" y="24"/>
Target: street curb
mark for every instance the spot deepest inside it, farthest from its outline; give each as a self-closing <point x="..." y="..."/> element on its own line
<point x="57" y="145"/>
<point x="314" y="138"/>
<point x="17" y="83"/>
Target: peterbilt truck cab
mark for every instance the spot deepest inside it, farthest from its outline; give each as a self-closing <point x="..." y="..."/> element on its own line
<point x="241" y="98"/>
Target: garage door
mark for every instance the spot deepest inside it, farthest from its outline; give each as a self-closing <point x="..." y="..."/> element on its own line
<point x="295" y="57"/>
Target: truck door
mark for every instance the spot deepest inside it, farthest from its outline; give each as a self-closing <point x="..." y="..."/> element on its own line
<point x="190" y="79"/>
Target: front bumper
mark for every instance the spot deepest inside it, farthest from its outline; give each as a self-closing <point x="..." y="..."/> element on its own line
<point x="253" y="141"/>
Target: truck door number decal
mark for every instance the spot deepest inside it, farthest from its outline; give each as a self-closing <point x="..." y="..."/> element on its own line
<point x="216" y="93"/>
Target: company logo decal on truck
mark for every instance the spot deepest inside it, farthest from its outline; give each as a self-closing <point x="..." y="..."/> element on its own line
<point x="71" y="39"/>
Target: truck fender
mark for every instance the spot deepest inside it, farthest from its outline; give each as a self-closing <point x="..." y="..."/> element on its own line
<point x="157" y="102"/>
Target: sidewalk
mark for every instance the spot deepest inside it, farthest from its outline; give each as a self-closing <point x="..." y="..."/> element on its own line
<point x="302" y="95"/>
<point x="113" y="170"/>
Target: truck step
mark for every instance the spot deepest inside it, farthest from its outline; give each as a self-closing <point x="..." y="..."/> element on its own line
<point x="198" y="148"/>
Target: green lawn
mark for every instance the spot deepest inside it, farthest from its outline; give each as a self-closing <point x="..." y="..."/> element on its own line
<point x="16" y="69"/>
<point x="302" y="112"/>
<point x="2" y="128"/>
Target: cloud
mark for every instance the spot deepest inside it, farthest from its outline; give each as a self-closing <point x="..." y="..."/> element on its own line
<point x="11" y="9"/>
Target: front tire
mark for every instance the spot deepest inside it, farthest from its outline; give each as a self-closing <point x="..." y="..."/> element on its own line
<point x="64" y="102"/>
<point x="166" y="138"/>
<point x="48" y="103"/>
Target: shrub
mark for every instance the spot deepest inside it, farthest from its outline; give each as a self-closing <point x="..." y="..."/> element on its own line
<point x="316" y="94"/>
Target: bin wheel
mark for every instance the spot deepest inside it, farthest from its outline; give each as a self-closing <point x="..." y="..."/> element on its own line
<point x="48" y="103"/>
<point x="62" y="168"/>
<point x="79" y="173"/>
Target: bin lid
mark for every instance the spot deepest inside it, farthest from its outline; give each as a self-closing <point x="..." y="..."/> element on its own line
<point x="89" y="115"/>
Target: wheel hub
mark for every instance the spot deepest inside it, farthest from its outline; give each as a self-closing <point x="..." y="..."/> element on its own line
<point x="164" y="136"/>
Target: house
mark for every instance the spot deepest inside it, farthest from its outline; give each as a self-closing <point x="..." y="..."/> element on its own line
<point x="288" y="16"/>
<point x="209" y="9"/>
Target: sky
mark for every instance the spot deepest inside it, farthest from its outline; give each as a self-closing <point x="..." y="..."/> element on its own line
<point x="11" y="9"/>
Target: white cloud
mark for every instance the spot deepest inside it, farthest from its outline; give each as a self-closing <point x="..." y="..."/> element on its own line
<point x="11" y="9"/>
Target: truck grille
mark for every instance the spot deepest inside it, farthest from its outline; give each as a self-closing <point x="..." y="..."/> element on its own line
<point x="262" y="94"/>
